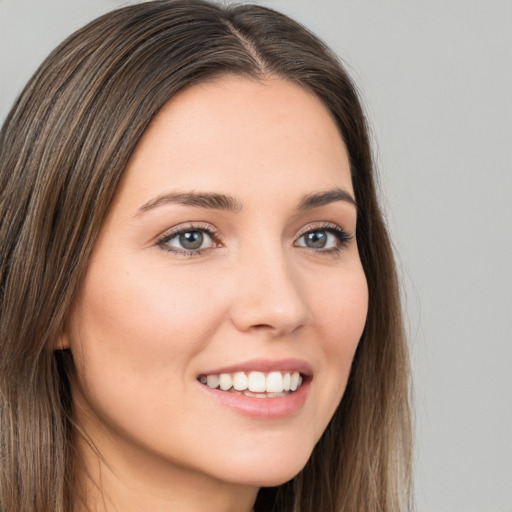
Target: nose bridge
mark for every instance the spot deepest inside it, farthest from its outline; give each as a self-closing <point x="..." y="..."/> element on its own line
<point x="268" y="294"/>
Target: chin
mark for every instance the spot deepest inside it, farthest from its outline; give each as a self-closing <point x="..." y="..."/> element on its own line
<point x="269" y="471"/>
<point x="277" y="477"/>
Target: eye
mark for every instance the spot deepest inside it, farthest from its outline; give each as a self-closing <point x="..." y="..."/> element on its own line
<point x="324" y="238"/>
<point x="189" y="240"/>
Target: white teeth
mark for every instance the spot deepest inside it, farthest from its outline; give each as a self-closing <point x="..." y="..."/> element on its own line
<point x="286" y="381"/>
<point x="212" y="381"/>
<point x="258" y="384"/>
<point x="255" y="395"/>
<point x="240" y="381"/>
<point x="225" y="381"/>
<point x="294" y="383"/>
<point x="274" y="383"/>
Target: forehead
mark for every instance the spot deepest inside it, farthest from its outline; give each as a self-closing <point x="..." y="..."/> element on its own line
<point x="234" y="132"/>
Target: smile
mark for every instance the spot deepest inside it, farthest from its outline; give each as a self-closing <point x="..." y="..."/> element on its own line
<point x="255" y="384"/>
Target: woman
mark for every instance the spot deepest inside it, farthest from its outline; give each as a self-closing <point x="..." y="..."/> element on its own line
<point x="199" y="306"/>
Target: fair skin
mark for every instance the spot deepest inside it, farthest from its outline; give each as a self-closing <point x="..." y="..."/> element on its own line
<point x="229" y="248"/>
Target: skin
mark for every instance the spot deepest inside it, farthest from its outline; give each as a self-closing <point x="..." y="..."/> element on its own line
<point x="149" y="318"/>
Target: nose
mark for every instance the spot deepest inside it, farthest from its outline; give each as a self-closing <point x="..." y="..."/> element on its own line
<point x="268" y="296"/>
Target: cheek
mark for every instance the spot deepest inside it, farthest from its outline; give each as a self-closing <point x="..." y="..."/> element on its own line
<point x="340" y="316"/>
<point x="136" y="332"/>
<point x="341" y="306"/>
<point x="145" y="311"/>
<point x="134" y="336"/>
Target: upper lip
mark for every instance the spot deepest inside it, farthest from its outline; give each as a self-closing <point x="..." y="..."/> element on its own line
<point x="265" y="366"/>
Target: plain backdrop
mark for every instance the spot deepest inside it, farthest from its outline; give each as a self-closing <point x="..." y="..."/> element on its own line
<point x="436" y="78"/>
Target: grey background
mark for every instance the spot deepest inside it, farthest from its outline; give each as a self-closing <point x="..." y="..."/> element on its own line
<point x="436" y="77"/>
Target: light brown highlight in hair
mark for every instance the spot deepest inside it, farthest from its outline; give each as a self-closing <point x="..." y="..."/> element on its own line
<point x="63" y="149"/>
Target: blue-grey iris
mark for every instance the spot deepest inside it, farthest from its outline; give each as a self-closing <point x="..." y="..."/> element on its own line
<point x="316" y="239"/>
<point x="191" y="240"/>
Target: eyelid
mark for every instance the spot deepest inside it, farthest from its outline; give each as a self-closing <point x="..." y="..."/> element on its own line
<point x="328" y="226"/>
<point x="344" y="237"/>
<point x="169" y="234"/>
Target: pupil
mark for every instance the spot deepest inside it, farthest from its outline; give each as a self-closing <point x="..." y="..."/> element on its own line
<point x="316" y="239"/>
<point x="191" y="240"/>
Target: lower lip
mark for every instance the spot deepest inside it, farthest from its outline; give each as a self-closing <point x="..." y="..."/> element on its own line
<point x="263" y="408"/>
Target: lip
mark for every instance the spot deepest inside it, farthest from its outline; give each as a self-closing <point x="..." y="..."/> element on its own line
<point x="263" y="408"/>
<point x="265" y="366"/>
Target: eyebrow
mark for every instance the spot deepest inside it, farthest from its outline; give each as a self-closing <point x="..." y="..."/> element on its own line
<point x="199" y="200"/>
<point x="216" y="201"/>
<point x="323" y="198"/>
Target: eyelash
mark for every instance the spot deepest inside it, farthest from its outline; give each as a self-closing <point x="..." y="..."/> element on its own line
<point x="202" y="228"/>
<point x="343" y="238"/>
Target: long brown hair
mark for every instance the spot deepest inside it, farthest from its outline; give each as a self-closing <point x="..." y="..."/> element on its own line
<point x="63" y="149"/>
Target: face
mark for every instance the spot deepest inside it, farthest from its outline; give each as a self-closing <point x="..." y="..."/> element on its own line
<point x="217" y="321"/>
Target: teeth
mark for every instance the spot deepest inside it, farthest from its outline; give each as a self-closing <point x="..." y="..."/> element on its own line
<point x="257" y="384"/>
<point x="225" y="381"/>
<point x="294" y="383"/>
<point x="212" y="381"/>
<point x="274" y="383"/>
<point x="240" y="381"/>
<point x="286" y="381"/>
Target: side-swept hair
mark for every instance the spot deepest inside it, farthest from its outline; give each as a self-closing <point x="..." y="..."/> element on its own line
<point x="63" y="149"/>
